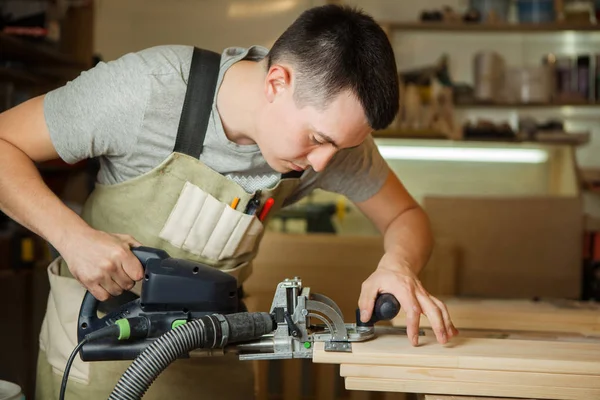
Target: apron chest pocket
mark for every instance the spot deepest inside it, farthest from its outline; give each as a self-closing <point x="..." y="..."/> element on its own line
<point x="202" y="225"/>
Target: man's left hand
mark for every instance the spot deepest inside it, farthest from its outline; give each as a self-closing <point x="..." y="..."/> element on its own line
<point x="401" y="281"/>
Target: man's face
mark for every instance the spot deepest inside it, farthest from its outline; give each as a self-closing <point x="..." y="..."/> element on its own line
<point x="293" y="138"/>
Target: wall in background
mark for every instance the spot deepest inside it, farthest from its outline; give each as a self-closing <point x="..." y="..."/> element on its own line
<point x="125" y="26"/>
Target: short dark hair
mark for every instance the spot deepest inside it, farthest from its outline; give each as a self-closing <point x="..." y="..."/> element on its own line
<point x="335" y="48"/>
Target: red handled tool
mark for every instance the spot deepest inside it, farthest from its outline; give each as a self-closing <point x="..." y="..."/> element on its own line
<point x="265" y="210"/>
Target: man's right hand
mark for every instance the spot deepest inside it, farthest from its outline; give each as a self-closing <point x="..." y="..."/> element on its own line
<point x="103" y="262"/>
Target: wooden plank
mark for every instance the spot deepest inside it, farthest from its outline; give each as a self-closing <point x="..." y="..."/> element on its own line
<point x="435" y="375"/>
<point x="519" y="315"/>
<point x="513" y="247"/>
<point x="562" y="174"/>
<point x="471" y="353"/>
<point x="440" y="275"/>
<point x="77" y="37"/>
<point x="469" y="388"/>
<point x="520" y="335"/>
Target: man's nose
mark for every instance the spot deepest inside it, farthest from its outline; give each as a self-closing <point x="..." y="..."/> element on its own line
<point x="320" y="157"/>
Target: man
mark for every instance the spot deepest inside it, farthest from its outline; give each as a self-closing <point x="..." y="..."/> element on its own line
<point x="175" y="151"/>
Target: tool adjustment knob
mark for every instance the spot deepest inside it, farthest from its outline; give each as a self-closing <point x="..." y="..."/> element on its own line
<point x="386" y="308"/>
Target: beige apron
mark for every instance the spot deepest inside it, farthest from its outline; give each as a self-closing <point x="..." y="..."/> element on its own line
<point x="183" y="207"/>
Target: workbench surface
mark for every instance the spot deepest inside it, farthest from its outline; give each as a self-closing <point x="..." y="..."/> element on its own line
<point x="543" y="369"/>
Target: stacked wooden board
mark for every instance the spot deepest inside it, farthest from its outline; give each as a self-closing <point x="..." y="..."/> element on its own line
<point x="546" y="315"/>
<point x="541" y="369"/>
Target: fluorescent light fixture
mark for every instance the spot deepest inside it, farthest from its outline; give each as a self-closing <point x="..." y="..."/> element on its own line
<point x="469" y="154"/>
<point x="569" y="43"/>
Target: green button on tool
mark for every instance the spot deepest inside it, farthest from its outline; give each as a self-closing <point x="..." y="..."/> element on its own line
<point x="178" y="322"/>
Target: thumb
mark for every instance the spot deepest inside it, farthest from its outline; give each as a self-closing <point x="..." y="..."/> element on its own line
<point x="366" y="301"/>
<point x="130" y="240"/>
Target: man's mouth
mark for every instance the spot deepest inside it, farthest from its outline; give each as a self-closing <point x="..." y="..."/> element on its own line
<point x="296" y="167"/>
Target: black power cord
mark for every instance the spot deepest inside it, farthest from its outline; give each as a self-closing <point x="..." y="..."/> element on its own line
<point x="63" y="386"/>
<point x="121" y="330"/>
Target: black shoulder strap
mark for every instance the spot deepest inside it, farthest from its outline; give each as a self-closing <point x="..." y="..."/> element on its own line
<point x="199" y="95"/>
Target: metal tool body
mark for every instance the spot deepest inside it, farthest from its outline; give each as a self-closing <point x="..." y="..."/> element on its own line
<point x="177" y="291"/>
<point x="190" y="309"/>
<point x="304" y="318"/>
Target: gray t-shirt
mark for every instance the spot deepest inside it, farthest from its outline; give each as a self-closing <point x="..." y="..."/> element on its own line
<point x="126" y="113"/>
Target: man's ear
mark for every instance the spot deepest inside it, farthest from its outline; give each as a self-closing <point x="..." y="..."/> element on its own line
<point x="277" y="81"/>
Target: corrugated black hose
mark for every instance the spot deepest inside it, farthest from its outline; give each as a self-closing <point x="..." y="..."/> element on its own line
<point x="214" y="331"/>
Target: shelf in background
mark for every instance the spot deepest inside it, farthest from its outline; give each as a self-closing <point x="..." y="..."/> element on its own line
<point x="430" y="137"/>
<point x="17" y="49"/>
<point x="409" y="134"/>
<point x="44" y="80"/>
<point x="498" y="27"/>
<point x="9" y="273"/>
<point x="20" y="77"/>
<point x="590" y="179"/>
<point x="525" y="105"/>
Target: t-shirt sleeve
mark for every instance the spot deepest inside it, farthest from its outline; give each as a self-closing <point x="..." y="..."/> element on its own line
<point x="357" y="173"/>
<point x="99" y="112"/>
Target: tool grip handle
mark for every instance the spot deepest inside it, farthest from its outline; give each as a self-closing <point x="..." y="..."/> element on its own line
<point x="88" y="312"/>
<point x="145" y="254"/>
<point x="386" y="308"/>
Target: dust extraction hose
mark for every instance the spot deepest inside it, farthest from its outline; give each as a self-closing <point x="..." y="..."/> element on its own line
<point x="213" y="331"/>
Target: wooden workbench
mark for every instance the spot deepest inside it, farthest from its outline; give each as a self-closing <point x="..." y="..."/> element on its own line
<point x="546" y="349"/>
<point x="337" y="265"/>
<point x="560" y="369"/>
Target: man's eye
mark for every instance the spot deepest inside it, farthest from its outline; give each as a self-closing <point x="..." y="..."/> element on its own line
<point x="315" y="141"/>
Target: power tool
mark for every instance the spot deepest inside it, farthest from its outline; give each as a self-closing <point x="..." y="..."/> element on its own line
<point x="190" y="309"/>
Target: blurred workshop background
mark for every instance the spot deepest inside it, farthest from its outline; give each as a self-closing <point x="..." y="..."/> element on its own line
<point x="497" y="137"/>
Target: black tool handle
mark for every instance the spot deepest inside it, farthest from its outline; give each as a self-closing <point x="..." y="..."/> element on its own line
<point x="88" y="313"/>
<point x="386" y="308"/>
<point x="144" y="254"/>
